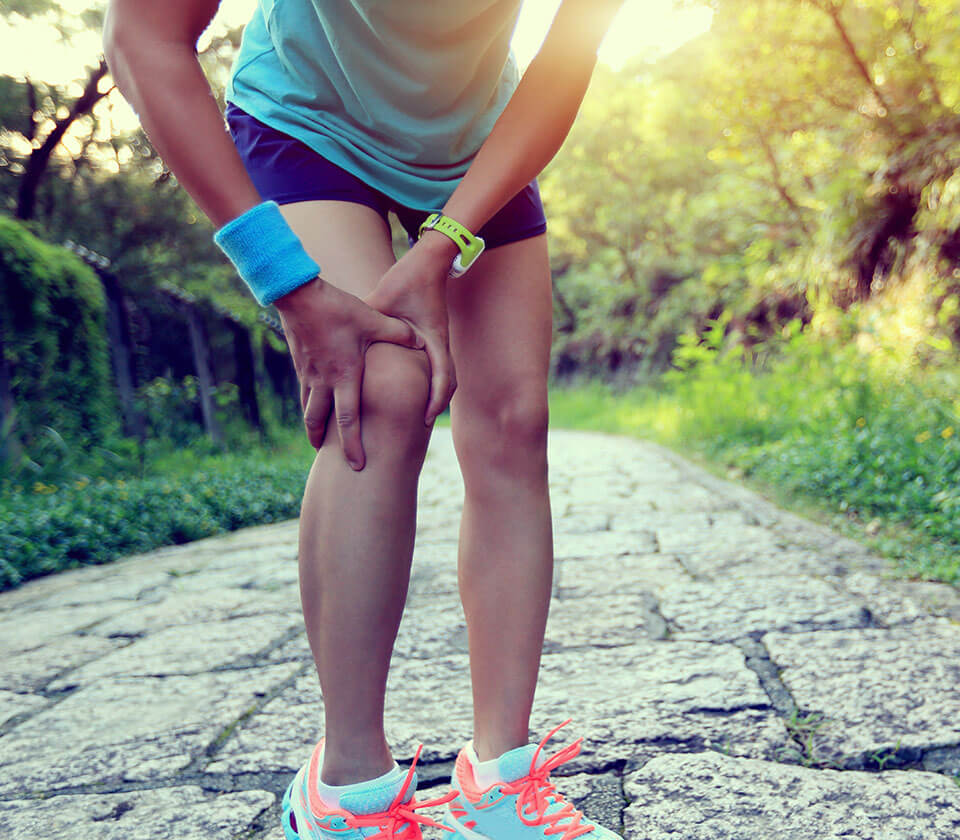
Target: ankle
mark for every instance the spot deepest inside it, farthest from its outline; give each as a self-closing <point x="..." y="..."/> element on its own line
<point x="488" y="749"/>
<point x="346" y="766"/>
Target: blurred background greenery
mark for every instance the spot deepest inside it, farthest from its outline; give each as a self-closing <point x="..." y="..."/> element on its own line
<point x="755" y="243"/>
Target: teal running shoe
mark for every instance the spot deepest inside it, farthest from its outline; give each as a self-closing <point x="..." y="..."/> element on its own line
<point x="523" y="803"/>
<point x="383" y="810"/>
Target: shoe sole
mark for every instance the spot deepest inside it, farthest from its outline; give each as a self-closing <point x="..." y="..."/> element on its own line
<point x="286" y="808"/>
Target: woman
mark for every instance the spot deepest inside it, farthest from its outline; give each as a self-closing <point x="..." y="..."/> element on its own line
<point x="338" y="112"/>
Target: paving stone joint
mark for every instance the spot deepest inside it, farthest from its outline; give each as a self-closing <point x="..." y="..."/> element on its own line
<point x="734" y="669"/>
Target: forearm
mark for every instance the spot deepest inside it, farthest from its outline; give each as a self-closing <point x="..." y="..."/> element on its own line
<point x="166" y="87"/>
<point x="523" y="141"/>
<point x="538" y="117"/>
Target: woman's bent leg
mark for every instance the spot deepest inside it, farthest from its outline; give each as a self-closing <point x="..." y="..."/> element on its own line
<point x="357" y="528"/>
<point x="500" y="330"/>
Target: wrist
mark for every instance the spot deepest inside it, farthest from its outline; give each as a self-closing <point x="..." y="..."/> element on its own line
<point x="469" y="246"/>
<point x="297" y="298"/>
<point x="266" y="252"/>
<point x="438" y="245"/>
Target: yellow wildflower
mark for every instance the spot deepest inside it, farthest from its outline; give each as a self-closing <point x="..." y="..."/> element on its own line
<point x="861" y="422"/>
<point x="947" y="432"/>
<point x="923" y="437"/>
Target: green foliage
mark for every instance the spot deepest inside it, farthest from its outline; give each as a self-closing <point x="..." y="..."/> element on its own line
<point x="801" y="148"/>
<point x="54" y="342"/>
<point x="872" y="437"/>
<point x="46" y="528"/>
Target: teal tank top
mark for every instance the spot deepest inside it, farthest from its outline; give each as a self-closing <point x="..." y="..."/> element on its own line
<point x="401" y="93"/>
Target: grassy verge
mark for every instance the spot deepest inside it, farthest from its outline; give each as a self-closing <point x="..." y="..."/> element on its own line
<point x="821" y="427"/>
<point x="822" y="430"/>
<point x="48" y="527"/>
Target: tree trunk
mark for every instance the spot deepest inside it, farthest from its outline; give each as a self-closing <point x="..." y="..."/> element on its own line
<point x="121" y="350"/>
<point x="40" y="157"/>
<point x="201" y="362"/>
<point x="9" y="444"/>
<point x="281" y="371"/>
<point x="246" y="378"/>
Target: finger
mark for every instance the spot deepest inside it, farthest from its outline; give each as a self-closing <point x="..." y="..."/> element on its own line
<point x="346" y="402"/>
<point x="396" y="331"/>
<point x="441" y="370"/>
<point x="316" y="411"/>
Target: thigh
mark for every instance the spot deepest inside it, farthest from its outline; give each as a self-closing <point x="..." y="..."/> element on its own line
<point x="350" y="241"/>
<point x="501" y="319"/>
<point x="352" y="245"/>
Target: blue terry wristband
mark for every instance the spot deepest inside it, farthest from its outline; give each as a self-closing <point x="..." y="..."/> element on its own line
<point x="266" y="252"/>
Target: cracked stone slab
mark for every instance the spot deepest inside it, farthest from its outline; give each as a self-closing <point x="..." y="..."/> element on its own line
<point x="435" y="625"/>
<point x="186" y="649"/>
<point x="895" y="601"/>
<point x="199" y="605"/>
<point x="604" y="544"/>
<point x="763" y="561"/>
<point x="279" y="737"/>
<point x="709" y="796"/>
<point x="583" y="577"/>
<point x="31" y="629"/>
<point x="13" y="704"/>
<point x="434" y="570"/>
<point x="129" y="729"/>
<point x="248" y="571"/>
<point x="169" y="813"/>
<point x="628" y="702"/>
<point x="672" y="497"/>
<point x="730" y="609"/>
<point x="879" y="690"/>
<point x="619" y="618"/>
<point x="719" y="543"/>
<point x="33" y="669"/>
<point x="581" y="522"/>
<point x="48" y="586"/>
<point x="123" y="585"/>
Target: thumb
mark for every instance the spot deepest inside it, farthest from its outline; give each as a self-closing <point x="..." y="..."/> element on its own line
<point x="396" y="331"/>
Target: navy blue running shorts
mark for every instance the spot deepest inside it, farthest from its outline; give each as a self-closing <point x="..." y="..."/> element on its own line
<point x="285" y="169"/>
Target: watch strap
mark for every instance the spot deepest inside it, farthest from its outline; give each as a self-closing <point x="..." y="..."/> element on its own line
<point x="470" y="245"/>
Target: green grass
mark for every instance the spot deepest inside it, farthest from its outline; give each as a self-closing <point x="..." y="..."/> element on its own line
<point x="863" y="444"/>
<point x="185" y="495"/>
<point x="822" y="430"/>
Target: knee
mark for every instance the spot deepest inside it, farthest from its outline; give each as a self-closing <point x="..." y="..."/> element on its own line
<point x="508" y="431"/>
<point x="396" y="383"/>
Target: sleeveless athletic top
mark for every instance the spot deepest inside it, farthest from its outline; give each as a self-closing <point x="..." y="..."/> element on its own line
<point x="401" y="93"/>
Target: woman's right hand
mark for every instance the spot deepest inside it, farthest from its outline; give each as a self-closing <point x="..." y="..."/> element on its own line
<point x="328" y="331"/>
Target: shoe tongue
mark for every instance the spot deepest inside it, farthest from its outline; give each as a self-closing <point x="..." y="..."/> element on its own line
<point x="515" y="764"/>
<point x="378" y="797"/>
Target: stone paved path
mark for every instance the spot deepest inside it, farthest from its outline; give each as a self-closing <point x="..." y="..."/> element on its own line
<point x="737" y="672"/>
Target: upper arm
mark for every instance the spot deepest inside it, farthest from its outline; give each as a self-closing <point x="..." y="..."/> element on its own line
<point x="177" y="21"/>
<point x="579" y="26"/>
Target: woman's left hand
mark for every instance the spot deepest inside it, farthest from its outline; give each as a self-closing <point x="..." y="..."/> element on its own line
<point x="415" y="290"/>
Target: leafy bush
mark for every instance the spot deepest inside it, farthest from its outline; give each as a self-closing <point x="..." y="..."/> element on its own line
<point x="46" y="528"/>
<point x="52" y="325"/>
<point x="820" y="418"/>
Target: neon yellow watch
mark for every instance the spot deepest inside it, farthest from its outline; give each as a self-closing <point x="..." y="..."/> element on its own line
<point x="470" y="246"/>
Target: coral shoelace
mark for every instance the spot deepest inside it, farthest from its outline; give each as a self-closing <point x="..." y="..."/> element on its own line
<point x="536" y="793"/>
<point x="400" y="820"/>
